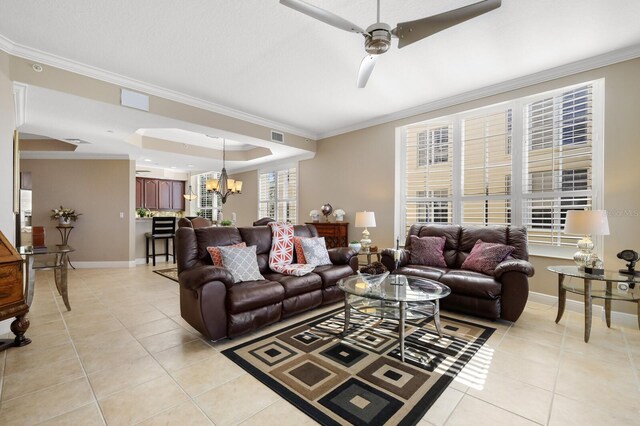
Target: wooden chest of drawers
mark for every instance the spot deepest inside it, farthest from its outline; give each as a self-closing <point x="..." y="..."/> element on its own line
<point x="12" y="303"/>
<point x="336" y="234"/>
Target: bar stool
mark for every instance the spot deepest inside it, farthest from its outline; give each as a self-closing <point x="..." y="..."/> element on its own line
<point x="162" y="228"/>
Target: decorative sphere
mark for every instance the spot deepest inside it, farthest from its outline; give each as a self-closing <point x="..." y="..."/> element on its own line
<point x="326" y="209"/>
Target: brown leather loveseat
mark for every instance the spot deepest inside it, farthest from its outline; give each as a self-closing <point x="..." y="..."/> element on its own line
<point x="212" y="304"/>
<point x="501" y="295"/>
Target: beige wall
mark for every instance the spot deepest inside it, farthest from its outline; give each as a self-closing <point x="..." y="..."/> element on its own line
<point x="7" y="125"/>
<point x="355" y="171"/>
<point x="100" y="190"/>
<point x="245" y="205"/>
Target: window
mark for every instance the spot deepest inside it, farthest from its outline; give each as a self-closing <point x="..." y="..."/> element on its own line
<point x="524" y="162"/>
<point x="433" y="146"/>
<point x="277" y="196"/>
<point x="208" y="204"/>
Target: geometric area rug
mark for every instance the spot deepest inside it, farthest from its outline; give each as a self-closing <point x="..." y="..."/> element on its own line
<point x="171" y="273"/>
<point x="358" y="378"/>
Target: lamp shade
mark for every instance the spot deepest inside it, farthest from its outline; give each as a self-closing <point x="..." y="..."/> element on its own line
<point x="587" y="222"/>
<point x="365" y="220"/>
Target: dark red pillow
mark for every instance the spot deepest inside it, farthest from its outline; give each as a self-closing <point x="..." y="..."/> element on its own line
<point x="428" y="251"/>
<point x="484" y="257"/>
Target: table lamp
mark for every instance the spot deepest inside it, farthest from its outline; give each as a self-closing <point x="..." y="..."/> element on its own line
<point x="586" y="223"/>
<point x="364" y="220"/>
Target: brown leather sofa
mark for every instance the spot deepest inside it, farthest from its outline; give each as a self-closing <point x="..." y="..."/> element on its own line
<point x="503" y="295"/>
<point x="212" y="304"/>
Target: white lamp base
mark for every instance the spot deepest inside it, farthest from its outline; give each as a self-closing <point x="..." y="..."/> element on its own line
<point x="365" y="242"/>
<point x="585" y="249"/>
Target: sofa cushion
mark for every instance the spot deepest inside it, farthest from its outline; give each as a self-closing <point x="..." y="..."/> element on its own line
<point x="484" y="257"/>
<point x="293" y="285"/>
<point x="472" y="284"/>
<point x="330" y="274"/>
<point x="297" y="244"/>
<point x="216" y="256"/>
<point x="241" y="262"/>
<point x="450" y="232"/>
<point x="427" y="251"/>
<point x="215" y="236"/>
<point x="248" y="295"/>
<point x="315" y="251"/>
<point x="429" y="272"/>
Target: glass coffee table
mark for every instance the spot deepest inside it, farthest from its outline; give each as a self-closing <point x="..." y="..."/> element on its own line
<point x="626" y="288"/>
<point x="398" y="297"/>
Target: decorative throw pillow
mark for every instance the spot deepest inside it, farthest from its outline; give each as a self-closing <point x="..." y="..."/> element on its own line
<point x="484" y="257"/>
<point x="299" y="251"/>
<point x="216" y="257"/>
<point x="315" y="251"/>
<point x="428" y="251"/>
<point x="242" y="262"/>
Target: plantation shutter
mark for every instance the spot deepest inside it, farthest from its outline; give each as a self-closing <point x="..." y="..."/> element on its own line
<point x="277" y="196"/>
<point x="558" y="156"/>
<point x="486" y="168"/>
<point x="428" y="173"/>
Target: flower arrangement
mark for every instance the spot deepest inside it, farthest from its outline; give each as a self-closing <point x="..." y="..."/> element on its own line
<point x="314" y="213"/>
<point x="338" y="212"/>
<point x="64" y="214"/>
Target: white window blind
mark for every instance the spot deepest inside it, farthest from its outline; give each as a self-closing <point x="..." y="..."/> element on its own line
<point x="523" y="162"/>
<point x="486" y="164"/>
<point x="208" y="204"/>
<point x="277" y="196"/>
<point x="428" y="188"/>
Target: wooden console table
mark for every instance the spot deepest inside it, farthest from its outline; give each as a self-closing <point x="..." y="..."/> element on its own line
<point x="336" y="234"/>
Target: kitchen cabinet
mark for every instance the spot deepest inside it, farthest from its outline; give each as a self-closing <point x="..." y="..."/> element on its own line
<point x="151" y="194"/>
<point x="177" y="195"/>
<point x="139" y="193"/>
<point x="160" y="194"/>
<point x="164" y="195"/>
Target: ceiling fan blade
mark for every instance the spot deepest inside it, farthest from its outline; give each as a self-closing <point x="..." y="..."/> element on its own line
<point x="412" y="31"/>
<point x="322" y="15"/>
<point x="366" y="68"/>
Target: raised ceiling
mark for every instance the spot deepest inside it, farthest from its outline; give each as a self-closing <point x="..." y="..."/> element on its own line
<point x="265" y="60"/>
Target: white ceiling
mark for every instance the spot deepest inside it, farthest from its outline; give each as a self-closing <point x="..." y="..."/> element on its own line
<point x="263" y="59"/>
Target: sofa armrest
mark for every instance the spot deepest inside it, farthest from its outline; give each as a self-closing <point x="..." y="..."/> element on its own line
<point x="195" y="278"/>
<point x="387" y="258"/>
<point x="514" y="265"/>
<point x="341" y="255"/>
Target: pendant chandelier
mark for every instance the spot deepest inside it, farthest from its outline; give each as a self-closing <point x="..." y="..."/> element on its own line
<point x="224" y="186"/>
<point x="190" y="195"/>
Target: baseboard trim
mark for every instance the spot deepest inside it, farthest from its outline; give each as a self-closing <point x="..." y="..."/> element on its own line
<point x="620" y="318"/>
<point x="100" y="265"/>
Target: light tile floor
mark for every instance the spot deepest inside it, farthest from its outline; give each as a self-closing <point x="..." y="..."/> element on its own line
<point x="123" y="355"/>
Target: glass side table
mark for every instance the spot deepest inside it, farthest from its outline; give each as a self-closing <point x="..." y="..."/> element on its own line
<point x="629" y="291"/>
<point x="47" y="257"/>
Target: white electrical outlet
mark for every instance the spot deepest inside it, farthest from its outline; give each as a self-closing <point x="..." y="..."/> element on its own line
<point x="121" y="215"/>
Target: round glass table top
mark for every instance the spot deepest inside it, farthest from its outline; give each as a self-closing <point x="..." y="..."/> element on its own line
<point x="398" y="288"/>
<point x="608" y="275"/>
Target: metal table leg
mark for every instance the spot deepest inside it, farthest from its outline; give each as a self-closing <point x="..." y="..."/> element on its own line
<point x="403" y="316"/>
<point x="562" y="297"/>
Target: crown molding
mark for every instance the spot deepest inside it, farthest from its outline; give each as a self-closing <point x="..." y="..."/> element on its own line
<point x="49" y="59"/>
<point x="69" y="155"/>
<point x="588" y="64"/>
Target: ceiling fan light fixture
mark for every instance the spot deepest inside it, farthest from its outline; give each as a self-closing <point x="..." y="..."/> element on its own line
<point x="378" y="39"/>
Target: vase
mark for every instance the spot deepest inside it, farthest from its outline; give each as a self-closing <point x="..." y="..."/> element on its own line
<point x="339" y="218"/>
<point x="64" y="221"/>
<point x="315" y="218"/>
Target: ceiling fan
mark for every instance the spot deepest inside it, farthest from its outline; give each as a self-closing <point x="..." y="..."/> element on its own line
<point x="377" y="37"/>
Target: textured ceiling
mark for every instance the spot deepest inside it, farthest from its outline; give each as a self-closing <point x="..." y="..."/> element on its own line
<point x="262" y="58"/>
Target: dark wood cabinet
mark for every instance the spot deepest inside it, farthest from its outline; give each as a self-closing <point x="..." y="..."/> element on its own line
<point x="177" y="195"/>
<point x="151" y="194"/>
<point x="139" y="193"/>
<point x="160" y="194"/>
<point x="12" y="302"/>
<point x="336" y="234"/>
<point x="164" y="195"/>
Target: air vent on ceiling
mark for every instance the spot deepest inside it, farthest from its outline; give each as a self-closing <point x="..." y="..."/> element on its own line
<point x="76" y="141"/>
<point x="277" y="136"/>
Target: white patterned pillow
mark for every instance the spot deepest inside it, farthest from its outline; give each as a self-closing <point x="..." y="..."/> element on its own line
<point x="315" y="251"/>
<point x="242" y="262"/>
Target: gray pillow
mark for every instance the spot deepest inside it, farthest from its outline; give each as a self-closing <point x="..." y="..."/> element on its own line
<point x="242" y="262"/>
<point x="315" y="251"/>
